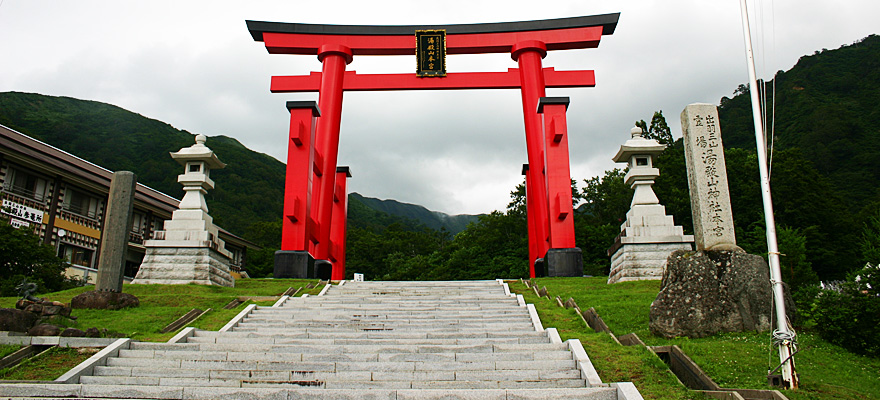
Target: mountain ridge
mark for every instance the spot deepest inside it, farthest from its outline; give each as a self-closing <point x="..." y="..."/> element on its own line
<point x="249" y="190"/>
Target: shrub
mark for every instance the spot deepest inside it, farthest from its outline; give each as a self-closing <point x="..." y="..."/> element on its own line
<point x="23" y="256"/>
<point x="849" y="314"/>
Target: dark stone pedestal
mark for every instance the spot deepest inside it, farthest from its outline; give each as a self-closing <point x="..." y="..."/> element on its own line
<point x="323" y="270"/>
<point x="540" y="268"/>
<point x="294" y="265"/>
<point x="564" y="262"/>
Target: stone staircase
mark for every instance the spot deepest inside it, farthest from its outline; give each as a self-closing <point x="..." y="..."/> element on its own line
<point x="359" y="340"/>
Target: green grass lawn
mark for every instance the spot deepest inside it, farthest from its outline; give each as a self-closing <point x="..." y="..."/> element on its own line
<point x="733" y="360"/>
<point x="162" y="304"/>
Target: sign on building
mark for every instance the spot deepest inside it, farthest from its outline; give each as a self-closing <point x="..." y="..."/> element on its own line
<point x="22" y="212"/>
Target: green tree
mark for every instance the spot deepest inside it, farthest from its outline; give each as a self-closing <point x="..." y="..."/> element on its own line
<point x="658" y="130"/>
<point x="869" y="242"/>
<point x="606" y="199"/>
<point x="23" y="256"/>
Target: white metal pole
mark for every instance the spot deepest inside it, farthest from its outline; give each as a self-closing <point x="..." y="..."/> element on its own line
<point x="785" y="351"/>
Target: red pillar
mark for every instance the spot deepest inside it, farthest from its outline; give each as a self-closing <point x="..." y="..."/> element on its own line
<point x="337" y="228"/>
<point x="563" y="258"/>
<point x="558" y="171"/>
<point x="528" y="55"/>
<point x="334" y="59"/>
<point x="298" y="181"/>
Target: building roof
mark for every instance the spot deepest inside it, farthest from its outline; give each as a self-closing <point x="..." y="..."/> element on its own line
<point x="87" y="174"/>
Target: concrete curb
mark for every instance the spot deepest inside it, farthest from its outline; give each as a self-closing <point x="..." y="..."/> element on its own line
<point x="520" y="300"/>
<point x="553" y="334"/>
<point x="627" y="391"/>
<point x="324" y="290"/>
<point x="184" y="334"/>
<point x="588" y="372"/>
<point x="536" y="321"/>
<point x="88" y="366"/>
<point x="280" y="301"/>
<point x="233" y="322"/>
<point x="57" y="341"/>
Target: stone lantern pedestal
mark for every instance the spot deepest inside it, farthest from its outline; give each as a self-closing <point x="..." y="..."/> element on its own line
<point x="189" y="250"/>
<point x="648" y="235"/>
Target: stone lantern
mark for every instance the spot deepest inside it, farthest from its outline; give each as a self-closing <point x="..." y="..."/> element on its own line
<point x="189" y="249"/>
<point x="648" y="235"/>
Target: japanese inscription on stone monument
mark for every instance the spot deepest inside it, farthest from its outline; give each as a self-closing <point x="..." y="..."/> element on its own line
<point x="707" y="178"/>
<point x="431" y="53"/>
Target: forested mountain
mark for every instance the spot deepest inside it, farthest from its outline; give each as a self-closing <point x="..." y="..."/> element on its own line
<point x="432" y="219"/>
<point x="828" y="106"/>
<point x="250" y="189"/>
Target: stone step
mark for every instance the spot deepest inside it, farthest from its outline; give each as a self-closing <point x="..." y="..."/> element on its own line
<point x="177" y="350"/>
<point x="490" y="326"/>
<point x="396" y="306"/>
<point x="303" y="334"/>
<point x="205" y="393"/>
<point x="404" y="363"/>
<point x="333" y="332"/>
<point x="428" y="316"/>
<point x="410" y="371"/>
<point x="390" y="341"/>
<point x="388" y="312"/>
<point x="377" y="380"/>
<point x="519" y="319"/>
<point x="131" y="358"/>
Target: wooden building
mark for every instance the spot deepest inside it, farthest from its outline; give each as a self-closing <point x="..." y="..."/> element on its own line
<point x="62" y="198"/>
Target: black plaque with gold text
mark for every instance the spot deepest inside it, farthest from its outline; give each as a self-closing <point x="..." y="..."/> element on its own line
<point x="431" y="53"/>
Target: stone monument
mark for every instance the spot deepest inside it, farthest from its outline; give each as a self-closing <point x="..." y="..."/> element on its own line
<point x="114" y="235"/>
<point x="718" y="287"/>
<point x="189" y="250"/>
<point x="648" y="235"/>
<point x="114" y="243"/>
<point x="707" y="178"/>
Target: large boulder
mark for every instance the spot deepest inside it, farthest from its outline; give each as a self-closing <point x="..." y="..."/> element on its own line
<point x="104" y="300"/>
<point x="707" y="292"/>
<point x="16" y="320"/>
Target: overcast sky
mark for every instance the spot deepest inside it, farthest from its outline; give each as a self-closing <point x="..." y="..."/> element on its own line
<point x="194" y="65"/>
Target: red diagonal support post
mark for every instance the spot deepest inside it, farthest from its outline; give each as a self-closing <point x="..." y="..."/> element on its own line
<point x="563" y="258"/>
<point x="337" y="228"/>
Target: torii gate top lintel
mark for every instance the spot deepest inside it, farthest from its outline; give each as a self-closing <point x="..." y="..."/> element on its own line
<point x="608" y="22"/>
<point x="499" y="37"/>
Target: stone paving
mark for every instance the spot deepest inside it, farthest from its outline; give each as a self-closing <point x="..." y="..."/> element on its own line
<point x="359" y="340"/>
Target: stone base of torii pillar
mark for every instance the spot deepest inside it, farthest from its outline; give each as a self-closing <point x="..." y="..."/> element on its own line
<point x="189" y="250"/>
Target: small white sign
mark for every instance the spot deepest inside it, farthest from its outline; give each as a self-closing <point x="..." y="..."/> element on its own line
<point x="17" y="223"/>
<point x="358" y="277"/>
<point x="22" y="212"/>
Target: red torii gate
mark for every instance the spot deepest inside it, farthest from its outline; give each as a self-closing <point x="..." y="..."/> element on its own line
<point x="313" y="233"/>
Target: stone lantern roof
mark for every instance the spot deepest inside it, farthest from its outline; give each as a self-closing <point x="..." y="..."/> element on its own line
<point x="198" y="152"/>
<point x="638" y="145"/>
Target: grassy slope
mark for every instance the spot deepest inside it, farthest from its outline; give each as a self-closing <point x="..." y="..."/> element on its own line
<point x="162" y="304"/>
<point x="738" y="360"/>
